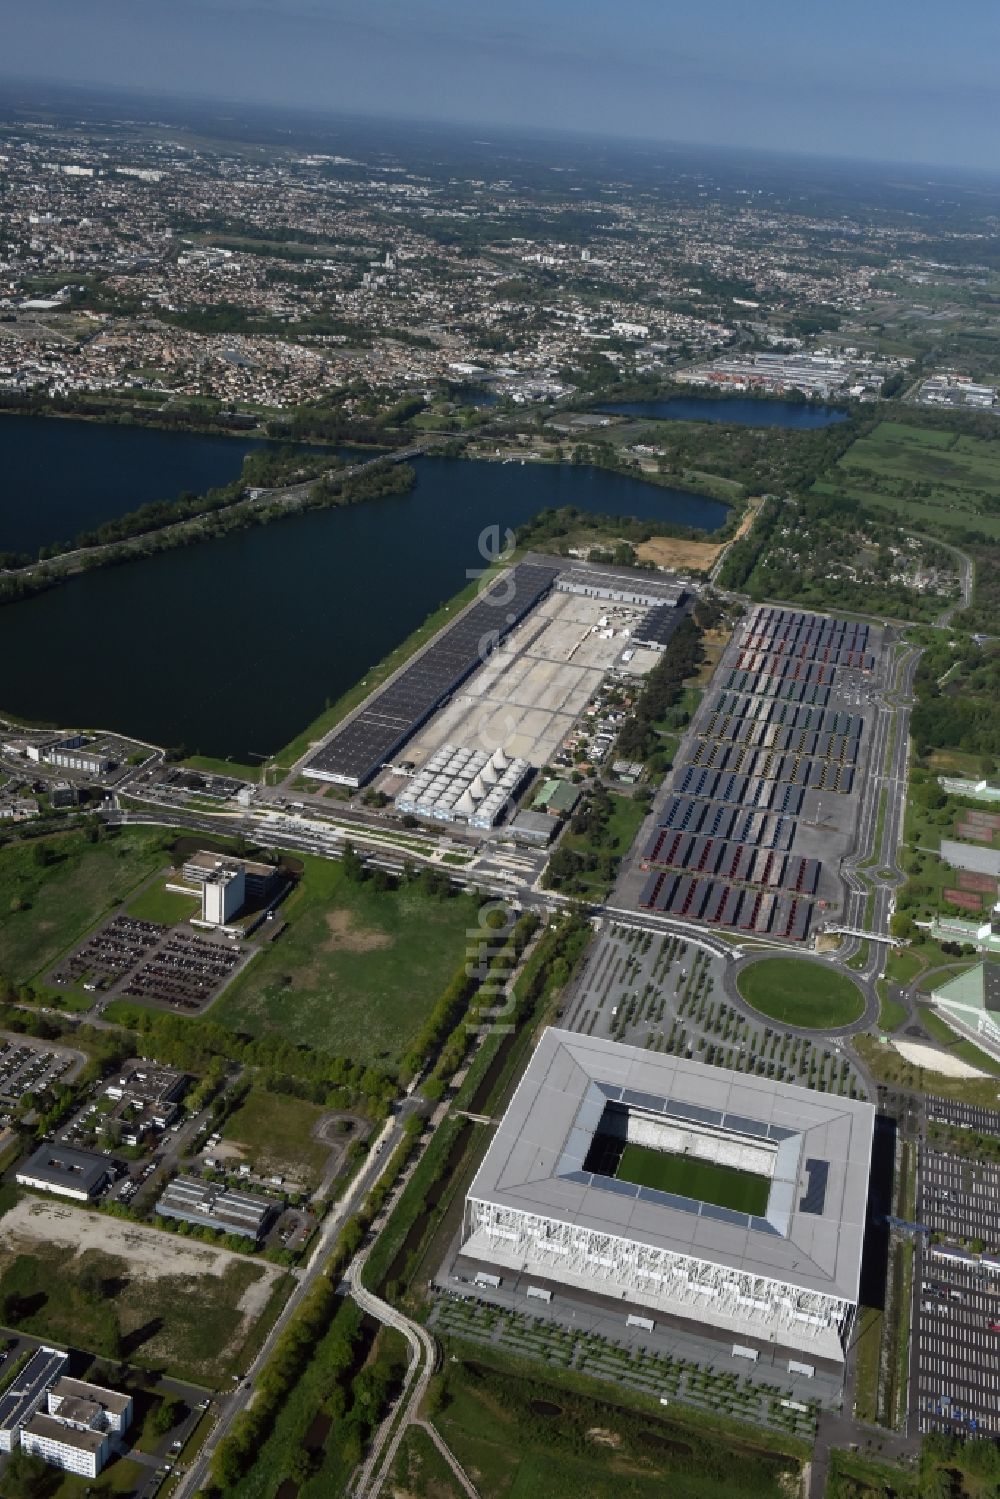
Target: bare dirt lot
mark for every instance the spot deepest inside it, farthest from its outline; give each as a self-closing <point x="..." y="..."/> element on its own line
<point x="696" y="556"/>
<point x="348" y="935"/>
<point x="122" y="1289"/>
<point x="685" y="556"/>
<point x="150" y="1254"/>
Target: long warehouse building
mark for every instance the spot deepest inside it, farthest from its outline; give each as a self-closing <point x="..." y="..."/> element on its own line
<point x="562" y="1204"/>
<point x="368" y="740"/>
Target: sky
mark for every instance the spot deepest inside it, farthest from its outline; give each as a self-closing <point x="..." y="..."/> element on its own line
<point x="888" y="80"/>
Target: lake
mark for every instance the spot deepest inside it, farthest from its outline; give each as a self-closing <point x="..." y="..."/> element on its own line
<point x="232" y="647"/>
<point x="61" y="476"/>
<point x="800" y="416"/>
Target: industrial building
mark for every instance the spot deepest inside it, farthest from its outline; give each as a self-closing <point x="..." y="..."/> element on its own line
<point x="558" y="798"/>
<point x="367" y="740"/>
<point x="79" y="1174"/>
<point x="547" y="1213"/>
<point x="537" y="828"/>
<point x="954" y="390"/>
<point x="148" y="1095"/>
<point x="72" y="752"/>
<point x="655" y="631"/>
<point x="209" y="1205"/>
<point x="818" y="375"/>
<point x="626" y="586"/>
<point x="463" y="785"/>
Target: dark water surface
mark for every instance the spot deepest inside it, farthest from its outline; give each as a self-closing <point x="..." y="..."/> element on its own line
<point x="232" y="647"/>
<point x="801" y="416"/>
<point x="59" y="477"/>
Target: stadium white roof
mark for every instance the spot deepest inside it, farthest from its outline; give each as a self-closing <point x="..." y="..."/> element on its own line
<point x="820" y="1146"/>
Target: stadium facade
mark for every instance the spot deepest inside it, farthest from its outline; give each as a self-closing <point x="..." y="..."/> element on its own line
<point x="539" y="1214"/>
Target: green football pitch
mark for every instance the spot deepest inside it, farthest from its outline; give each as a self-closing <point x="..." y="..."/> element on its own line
<point x="725" y="1186"/>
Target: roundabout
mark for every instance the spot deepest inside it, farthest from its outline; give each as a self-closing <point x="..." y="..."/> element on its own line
<point x="802" y="993"/>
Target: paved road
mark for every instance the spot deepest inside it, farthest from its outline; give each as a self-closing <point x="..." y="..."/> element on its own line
<point x="231" y="1407"/>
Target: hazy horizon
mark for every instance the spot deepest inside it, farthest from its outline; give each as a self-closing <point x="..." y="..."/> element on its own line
<point x="887" y="85"/>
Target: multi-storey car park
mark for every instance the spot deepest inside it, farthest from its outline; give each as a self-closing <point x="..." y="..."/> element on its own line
<point x="674" y="1192"/>
<point x="770" y="766"/>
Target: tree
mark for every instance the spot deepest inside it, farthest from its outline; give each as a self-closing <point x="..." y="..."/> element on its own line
<point x="353" y="865"/>
<point x="30" y="1477"/>
<point x="168" y="1414"/>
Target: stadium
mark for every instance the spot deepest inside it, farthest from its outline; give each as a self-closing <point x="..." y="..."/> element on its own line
<point x="679" y="1192"/>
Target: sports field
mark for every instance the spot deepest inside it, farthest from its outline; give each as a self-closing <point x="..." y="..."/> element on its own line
<point x="801" y="993"/>
<point x="704" y="1181"/>
<point x="924" y="474"/>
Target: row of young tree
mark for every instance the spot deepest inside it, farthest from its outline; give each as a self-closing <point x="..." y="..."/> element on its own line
<point x="355" y="1397"/>
<point x="663" y="690"/>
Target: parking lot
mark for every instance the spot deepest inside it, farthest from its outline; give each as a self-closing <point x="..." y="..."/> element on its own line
<point x="185" y="972"/>
<point x="765" y="789"/>
<point x="143" y="960"/>
<point x="955" y="1383"/>
<point x="26" y="1068"/>
<point x="108" y="955"/>
<point x="665" y="994"/>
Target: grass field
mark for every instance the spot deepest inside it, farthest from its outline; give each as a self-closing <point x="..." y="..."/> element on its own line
<point x="704" y="1181"/>
<point x="519" y="1437"/>
<point x="275" y="1132"/>
<point x="892" y="1013"/>
<point x="622" y="825"/>
<point x="157" y="903"/>
<point x="924" y="474"/>
<point x="421" y="1471"/>
<point x="122" y="1476"/>
<point x="354" y="972"/>
<point x="797" y="992"/>
<point x="190" y="1326"/>
<point x="46" y="908"/>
